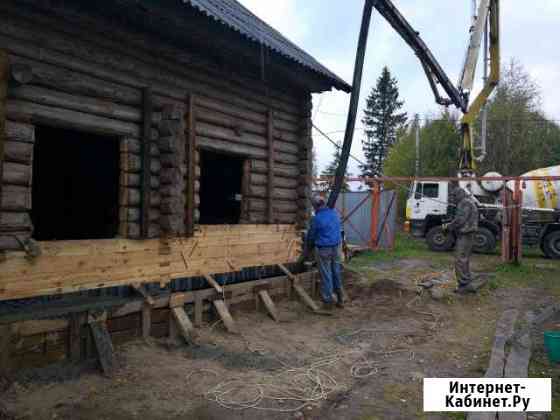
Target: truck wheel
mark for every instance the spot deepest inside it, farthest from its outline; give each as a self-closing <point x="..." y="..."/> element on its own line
<point x="551" y="245"/>
<point x="440" y="241"/>
<point x="484" y="241"/>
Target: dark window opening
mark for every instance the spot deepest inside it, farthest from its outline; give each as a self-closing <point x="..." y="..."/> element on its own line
<point x="220" y="188"/>
<point x="75" y="191"/>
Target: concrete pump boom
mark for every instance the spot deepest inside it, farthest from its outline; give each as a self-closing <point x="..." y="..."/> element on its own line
<point x="457" y="96"/>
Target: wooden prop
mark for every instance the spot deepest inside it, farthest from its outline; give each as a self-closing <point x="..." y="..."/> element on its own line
<point x="269" y="305"/>
<point x="226" y="317"/>
<point x="102" y="341"/>
<point x="299" y="290"/>
<point x="212" y="282"/>
<point x="184" y="324"/>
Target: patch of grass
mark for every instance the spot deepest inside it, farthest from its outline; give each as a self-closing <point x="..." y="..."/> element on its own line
<point x="540" y="367"/>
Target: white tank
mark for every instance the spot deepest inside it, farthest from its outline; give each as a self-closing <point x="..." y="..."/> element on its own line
<point x="492" y="186"/>
<point x="541" y="194"/>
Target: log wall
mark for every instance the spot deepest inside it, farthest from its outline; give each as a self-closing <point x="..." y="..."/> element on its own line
<point x="71" y="74"/>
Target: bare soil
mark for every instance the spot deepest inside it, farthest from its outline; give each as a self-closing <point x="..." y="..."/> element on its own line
<point x="365" y="362"/>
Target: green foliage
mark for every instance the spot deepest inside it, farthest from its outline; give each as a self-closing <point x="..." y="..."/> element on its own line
<point x="520" y="138"/>
<point x="382" y="121"/>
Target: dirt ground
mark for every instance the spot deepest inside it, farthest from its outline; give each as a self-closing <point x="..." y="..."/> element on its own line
<point x="366" y="362"/>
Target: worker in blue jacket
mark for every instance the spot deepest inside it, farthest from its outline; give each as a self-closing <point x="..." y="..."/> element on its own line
<point x="324" y="237"/>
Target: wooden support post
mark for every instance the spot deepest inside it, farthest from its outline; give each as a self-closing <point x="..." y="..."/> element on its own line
<point x="75" y="336"/>
<point x="213" y="283"/>
<point x="269" y="304"/>
<point x="4" y="78"/>
<point x="299" y="290"/>
<point x="142" y="290"/>
<point x="270" y="184"/>
<point x="226" y="317"/>
<point x="146" y="320"/>
<point x="375" y="198"/>
<point x="147" y="113"/>
<point x="198" y="307"/>
<point x="183" y="324"/>
<point x="5" y="347"/>
<point x="191" y="167"/>
<point x="102" y="341"/>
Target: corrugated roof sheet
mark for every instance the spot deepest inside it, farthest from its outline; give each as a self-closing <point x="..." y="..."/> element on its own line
<point x="235" y="16"/>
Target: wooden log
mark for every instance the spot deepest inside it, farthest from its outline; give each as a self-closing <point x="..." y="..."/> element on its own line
<point x="16" y="174"/>
<point x="18" y="152"/>
<point x="132" y="214"/>
<point x="15" y="198"/>
<point x="175" y="60"/>
<point x="132" y="180"/>
<point x="284" y="171"/>
<point x="169" y="144"/>
<point x="13" y="241"/>
<point x="74" y="336"/>
<point x="64" y="80"/>
<point x="172" y="223"/>
<point x="212" y="282"/>
<point x="171" y="176"/>
<point x="262" y="180"/>
<point x="262" y="218"/>
<point x="15" y="222"/>
<point x="225" y="316"/>
<point x="198" y="303"/>
<point x="132" y="197"/>
<point x="81" y="103"/>
<point x="172" y="205"/>
<point x="20" y="132"/>
<point x="231" y="135"/>
<point x="124" y="70"/>
<point x="134" y="146"/>
<point x="104" y="346"/>
<point x="133" y="230"/>
<point x="269" y="305"/>
<point x="171" y="160"/>
<point x="278" y="193"/>
<point x="184" y="324"/>
<point x="40" y="114"/>
<point x="242" y="149"/>
<point x="133" y="163"/>
<point x="280" y="206"/>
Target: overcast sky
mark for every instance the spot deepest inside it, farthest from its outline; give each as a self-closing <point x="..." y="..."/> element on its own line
<point x="328" y="30"/>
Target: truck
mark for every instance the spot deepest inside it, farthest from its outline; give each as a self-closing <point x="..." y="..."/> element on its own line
<point x="428" y="207"/>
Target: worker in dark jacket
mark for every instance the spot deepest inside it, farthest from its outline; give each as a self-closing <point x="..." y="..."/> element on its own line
<point x="465" y="225"/>
<point x="324" y="237"/>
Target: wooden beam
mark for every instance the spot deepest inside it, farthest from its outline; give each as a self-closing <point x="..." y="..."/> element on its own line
<point x="142" y="290"/>
<point x="146" y="320"/>
<point x="299" y="290"/>
<point x="226" y="317"/>
<point x="184" y="324"/>
<point x="191" y="167"/>
<point x="147" y="113"/>
<point x="212" y="282"/>
<point x="269" y="305"/>
<point x="245" y="183"/>
<point x="198" y="307"/>
<point x="75" y="336"/>
<point x="4" y="78"/>
<point x="103" y="343"/>
<point x="270" y="186"/>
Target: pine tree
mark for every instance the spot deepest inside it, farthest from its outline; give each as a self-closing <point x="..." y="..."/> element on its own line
<point x="330" y="171"/>
<point x="382" y="120"/>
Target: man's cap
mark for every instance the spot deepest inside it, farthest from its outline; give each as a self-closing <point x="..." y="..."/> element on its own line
<point x="317" y="201"/>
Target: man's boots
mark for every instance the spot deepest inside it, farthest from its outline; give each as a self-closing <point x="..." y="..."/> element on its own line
<point x="339" y="299"/>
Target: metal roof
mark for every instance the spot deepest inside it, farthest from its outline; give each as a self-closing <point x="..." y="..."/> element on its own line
<point x="236" y="17"/>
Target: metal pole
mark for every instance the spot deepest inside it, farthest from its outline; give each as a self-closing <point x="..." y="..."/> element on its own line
<point x="354" y="99"/>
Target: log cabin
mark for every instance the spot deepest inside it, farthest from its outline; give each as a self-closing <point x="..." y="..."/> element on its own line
<point x="144" y="144"/>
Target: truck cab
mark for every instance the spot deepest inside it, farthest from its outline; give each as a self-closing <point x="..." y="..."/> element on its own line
<point x="426" y="206"/>
<point x="427" y="209"/>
